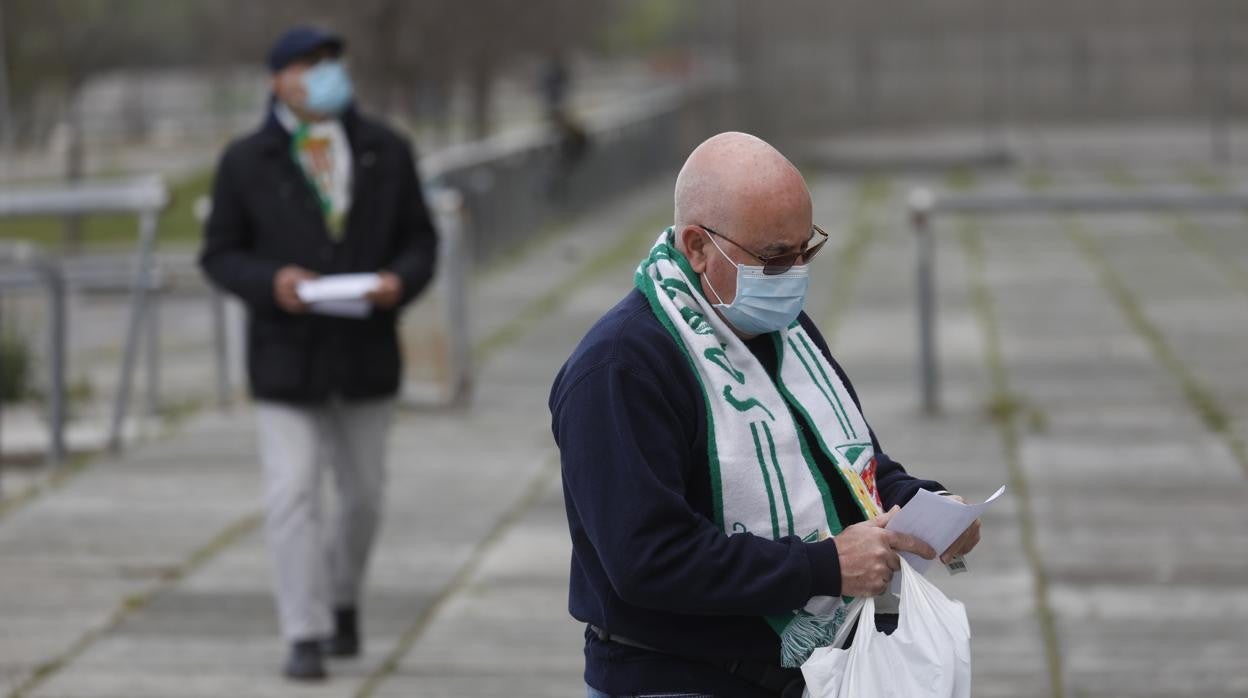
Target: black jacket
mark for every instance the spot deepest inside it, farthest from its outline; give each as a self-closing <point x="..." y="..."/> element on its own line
<point x="265" y="215"/>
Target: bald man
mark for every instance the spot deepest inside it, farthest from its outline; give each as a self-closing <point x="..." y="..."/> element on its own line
<point x="724" y="492"/>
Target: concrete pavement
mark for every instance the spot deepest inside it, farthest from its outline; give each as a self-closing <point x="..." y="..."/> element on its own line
<point x="1086" y="362"/>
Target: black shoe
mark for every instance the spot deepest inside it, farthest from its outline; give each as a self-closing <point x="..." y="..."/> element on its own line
<point x="346" y="639"/>
<point x="306" y="662"/>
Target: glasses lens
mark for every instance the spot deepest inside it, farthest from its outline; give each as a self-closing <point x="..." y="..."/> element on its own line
<point x="810" y="252"/>
<point x="781" y="264"/>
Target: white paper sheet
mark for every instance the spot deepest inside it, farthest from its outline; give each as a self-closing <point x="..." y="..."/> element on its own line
<point x="352" y="308"/>
<point x="936" y="520"/>
<point x="338" y="287"/>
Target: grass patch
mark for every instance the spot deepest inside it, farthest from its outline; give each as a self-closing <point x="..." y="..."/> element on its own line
<point x="872" y="192"/>
<point x="177" y="222"/>
<point x="73" y="465"/>
<point x="1120" y="177"/>
<point x="875" y="189"/>
<point x="960" y="180"/>
<point x="1038" y="180"/>
<point x="174" y="413"/>
<point x="1004" y="406"/>
<point x="136" y="602"/>
<point x="1206" y="179"/>
<point x="461" y="582"/>
<point x="1196" y="240"/>
<point x="15" y="363"/>
<point x="552" y="299"/>
<point x="1199" y="398"/>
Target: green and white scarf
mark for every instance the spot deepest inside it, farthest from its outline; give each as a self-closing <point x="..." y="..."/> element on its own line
<point x="323" y="153"/>
<point x="763" y="478"/>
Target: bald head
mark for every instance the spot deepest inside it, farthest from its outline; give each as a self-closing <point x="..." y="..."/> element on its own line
<point x="751" y="196"/>
<point x="735" y="180"/>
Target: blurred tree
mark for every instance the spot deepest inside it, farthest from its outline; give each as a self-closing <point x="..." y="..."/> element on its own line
<point x="53" y="46"/>
<point x="647" y="24"/>
<point x="398" y="45"/>
<point x="404" y="52"/>
<point x="407" y="57"/>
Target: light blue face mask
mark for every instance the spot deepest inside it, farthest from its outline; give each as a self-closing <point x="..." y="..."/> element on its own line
<point x="328" y="88"/>
<point x="764" y="303"/>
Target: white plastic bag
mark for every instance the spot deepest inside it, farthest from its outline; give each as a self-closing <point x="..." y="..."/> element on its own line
<point x="928" y="655"/>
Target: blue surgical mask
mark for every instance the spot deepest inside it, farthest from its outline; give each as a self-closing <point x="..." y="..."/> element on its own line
<point x="764" y="303"/>
<point x="328" y="88"/>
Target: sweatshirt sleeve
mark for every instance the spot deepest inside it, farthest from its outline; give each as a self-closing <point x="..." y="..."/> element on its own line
<point x="895" y="485"/>
<point x="624" y="453"/>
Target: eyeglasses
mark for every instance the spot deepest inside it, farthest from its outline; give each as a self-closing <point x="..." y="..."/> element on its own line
<point x="781" y="263"/>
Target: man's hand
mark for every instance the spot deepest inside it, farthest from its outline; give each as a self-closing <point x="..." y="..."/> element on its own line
<point x="286" y="285"/>
<point x="965" y="542"/>
<point x="869" y="555"/>
<point x="388" y="292"/>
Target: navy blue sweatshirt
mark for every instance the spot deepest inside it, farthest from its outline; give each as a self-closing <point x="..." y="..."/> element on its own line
<point x="648" y="561"/>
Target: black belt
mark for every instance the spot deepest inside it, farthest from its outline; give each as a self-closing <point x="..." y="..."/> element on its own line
<point x="787" y="683"/>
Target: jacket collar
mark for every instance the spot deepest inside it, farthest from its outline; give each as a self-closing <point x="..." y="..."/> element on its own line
<point x="361" y="133"/>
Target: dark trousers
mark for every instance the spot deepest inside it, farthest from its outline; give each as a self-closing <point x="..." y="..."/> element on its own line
<point x="595" y="693"/>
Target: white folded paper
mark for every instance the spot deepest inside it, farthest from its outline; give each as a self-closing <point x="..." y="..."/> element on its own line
<point x="936" y="520"/>
<point x="338" y="287"/>
<point x="341" y="295"/>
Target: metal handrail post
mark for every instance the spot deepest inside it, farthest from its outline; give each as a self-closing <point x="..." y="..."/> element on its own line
<point x="1" y="416"/>
<point x="138" y="313"/>
<point x="153" y="354"/>
<point x="220" y="352"/>
<point x="55" y="280"/>
<point x="50" y="275"/>
<point x="921" y="204"/>
<point x="452" y="215"/>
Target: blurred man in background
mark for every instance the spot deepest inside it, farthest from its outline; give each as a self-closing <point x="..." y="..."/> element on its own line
<point x="319" y="189"/>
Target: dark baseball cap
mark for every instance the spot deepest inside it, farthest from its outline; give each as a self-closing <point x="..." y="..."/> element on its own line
<point x="300" y="41"/>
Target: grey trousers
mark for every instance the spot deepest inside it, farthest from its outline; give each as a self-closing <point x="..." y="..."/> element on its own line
<point x="315" y="570"/>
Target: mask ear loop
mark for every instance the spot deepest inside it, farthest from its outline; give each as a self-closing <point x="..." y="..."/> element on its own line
<point x="717" y="296"/>
<point x="708" y="279"/>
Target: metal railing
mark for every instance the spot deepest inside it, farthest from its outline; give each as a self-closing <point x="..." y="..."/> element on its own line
<point x="924" y="206"/>
<point x="146" y="198"/>
<point x="23" y="266"/>
<point x="515" y="184"/>
<point x="452" y="273"/>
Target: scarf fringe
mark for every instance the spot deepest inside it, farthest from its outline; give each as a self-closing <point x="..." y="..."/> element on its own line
<point x="805" y="633"/>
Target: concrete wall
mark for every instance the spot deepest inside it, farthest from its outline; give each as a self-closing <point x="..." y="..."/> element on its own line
<point x="809" y="65"/>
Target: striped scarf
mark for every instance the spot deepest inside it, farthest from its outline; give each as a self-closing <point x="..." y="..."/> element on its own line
<point x="764" y="480"/>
